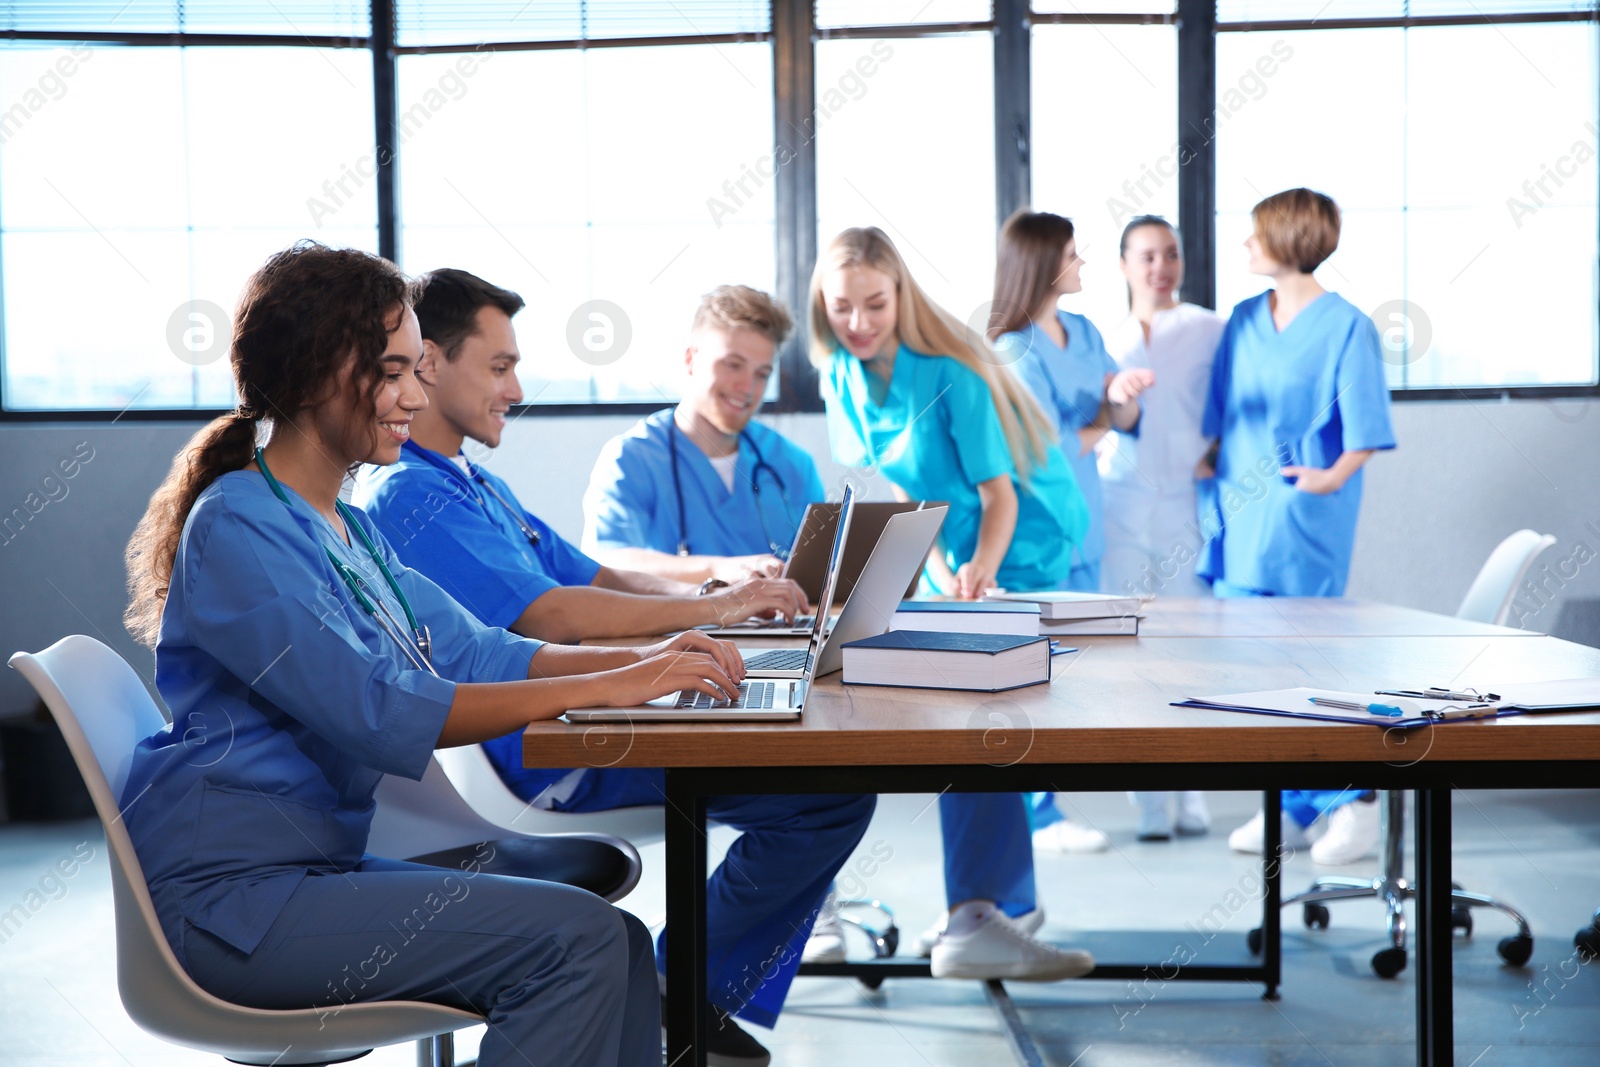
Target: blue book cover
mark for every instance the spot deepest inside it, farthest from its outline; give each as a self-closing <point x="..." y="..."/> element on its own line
<point x="940" y="641"/>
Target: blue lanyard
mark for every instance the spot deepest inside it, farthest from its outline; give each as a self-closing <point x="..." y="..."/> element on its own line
<point x="419" y="648"/>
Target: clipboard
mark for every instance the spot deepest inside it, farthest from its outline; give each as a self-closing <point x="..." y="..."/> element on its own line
<point x="1296" y="704"/>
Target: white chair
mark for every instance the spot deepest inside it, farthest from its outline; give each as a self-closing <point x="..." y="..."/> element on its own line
<point x="104" y="711"/>
<point x="476" y="780"/>
<point x="1495" y="588"/>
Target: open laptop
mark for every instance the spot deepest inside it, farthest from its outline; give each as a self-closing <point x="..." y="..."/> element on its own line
<point x="759" y="699"/>
<point x="809" y="558"/>
<point x="900" y="552"/>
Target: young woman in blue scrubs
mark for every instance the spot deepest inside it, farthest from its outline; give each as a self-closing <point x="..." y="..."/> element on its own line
<point x="242" y="575"/>
<point x="1063" y="361"/>
<point x="1298" y="404"/>
<point x="912" y="393"/>
<point x="1060" y="358"/>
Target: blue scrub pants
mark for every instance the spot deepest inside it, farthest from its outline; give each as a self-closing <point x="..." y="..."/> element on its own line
<point x="562" y="976"/>
<point x="988" y="850"/>
<point x="1083" y="578"/>
<point x="1304" y="806"/>
<point x="763" y="897"/>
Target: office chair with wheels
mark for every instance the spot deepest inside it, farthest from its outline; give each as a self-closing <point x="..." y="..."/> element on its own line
<point x="104" y="711"/>
<point x="1488" y="600"/>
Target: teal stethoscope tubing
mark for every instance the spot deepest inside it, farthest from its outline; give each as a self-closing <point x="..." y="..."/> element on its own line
<point x="419" y="647"/>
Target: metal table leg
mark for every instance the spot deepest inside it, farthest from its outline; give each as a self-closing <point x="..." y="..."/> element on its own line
<point x="687" y="1006"/>
<point x="1435" y="1003"/>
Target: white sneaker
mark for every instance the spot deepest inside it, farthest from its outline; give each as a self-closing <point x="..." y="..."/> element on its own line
<point x="1194" y="819"/>
<point x="998" y="948"/>
<point x="1028" y="922"/>
<point x="1251" y="836"/>
<point x="1155" y="824"/>
<point x="1068" y="836"/>
<point x="826" y="944"/>
<point x="1352" y="834"/>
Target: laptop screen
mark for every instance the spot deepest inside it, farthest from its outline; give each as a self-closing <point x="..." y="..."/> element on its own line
<point x="830" y="580"/>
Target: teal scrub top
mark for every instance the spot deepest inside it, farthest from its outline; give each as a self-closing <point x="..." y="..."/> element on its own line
<point x="1299" y="397"/>
<point x="936" y="435"/>
<point x="1069" y="384"/>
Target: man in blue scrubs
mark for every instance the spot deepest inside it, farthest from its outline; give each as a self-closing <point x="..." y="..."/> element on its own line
<point x="465" y="534"/>
<point x="700" y="492"/>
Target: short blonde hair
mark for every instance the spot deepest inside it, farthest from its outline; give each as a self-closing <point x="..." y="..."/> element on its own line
<point x="1297" y="227"/>
<point x="732" y="307"/>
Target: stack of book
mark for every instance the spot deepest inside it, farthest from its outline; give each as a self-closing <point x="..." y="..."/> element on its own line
<point x="1079" y="614"/>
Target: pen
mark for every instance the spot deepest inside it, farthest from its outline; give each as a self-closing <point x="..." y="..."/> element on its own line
<point x="1439" y="693"/>
<point x="1350" y="705"/>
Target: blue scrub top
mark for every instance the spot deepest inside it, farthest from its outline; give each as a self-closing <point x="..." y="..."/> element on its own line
<point x="937" y="436"/>
<point x="1301" y="397"/>
<point x="1069" y="384"/>
<point x="631" y="502"/>
<point x="288" y="705"/>
<point x="446" y="525"/>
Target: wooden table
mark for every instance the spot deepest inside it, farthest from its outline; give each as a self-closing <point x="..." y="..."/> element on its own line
<point x="1104" y="723"/>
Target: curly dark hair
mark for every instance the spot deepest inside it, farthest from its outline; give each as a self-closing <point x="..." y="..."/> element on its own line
<point x="303" y="317"/>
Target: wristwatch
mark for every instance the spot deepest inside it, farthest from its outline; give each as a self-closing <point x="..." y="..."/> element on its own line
<point x="710" y="585"/>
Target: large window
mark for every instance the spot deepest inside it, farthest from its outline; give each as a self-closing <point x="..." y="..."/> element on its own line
<point x="139" y="187"/>
<point x="1468" y="203"/>
<point x="610" y="214"/>
<point x="905" y="142"/>
<point x="612" y="160"/>
<point x="1105" y="143"/>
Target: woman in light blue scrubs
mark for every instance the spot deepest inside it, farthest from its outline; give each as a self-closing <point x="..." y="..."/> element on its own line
<point x="1064" y="362"/>
<point x="1298" y="404"/>
<point x="914" y="395"/>
<point x="244" y="575"/>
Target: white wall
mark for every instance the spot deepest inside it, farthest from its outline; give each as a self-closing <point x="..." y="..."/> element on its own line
<point x="1465" y="475"/>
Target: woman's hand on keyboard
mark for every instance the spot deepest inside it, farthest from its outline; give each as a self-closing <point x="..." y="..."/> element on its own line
<point x="691" y="660"/>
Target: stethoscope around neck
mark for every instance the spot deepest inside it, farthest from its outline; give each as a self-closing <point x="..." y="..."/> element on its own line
<point x="418" y="648"/>
<point x="761" y="464"/>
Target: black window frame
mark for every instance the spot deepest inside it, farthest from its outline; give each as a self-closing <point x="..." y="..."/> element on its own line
<point x="793" y="34"/>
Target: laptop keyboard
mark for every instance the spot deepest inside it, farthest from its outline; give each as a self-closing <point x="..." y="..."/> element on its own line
<point x="801" y="622"/>
<point x="751" y="695"/>
<point x="778" y="659"/>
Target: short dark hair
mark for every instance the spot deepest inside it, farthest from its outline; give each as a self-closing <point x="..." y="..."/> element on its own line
<point x="448" y="301"/>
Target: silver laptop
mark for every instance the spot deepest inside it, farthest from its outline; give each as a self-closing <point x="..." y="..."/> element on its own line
<point x="898" y="555"/>
<point x="758" y="700"/>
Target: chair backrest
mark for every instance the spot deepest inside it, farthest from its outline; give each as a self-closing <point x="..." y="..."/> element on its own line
<point x="1495" y="588"/>
<point x="103" y="712"/>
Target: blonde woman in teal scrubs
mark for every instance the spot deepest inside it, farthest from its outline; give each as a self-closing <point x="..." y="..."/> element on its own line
<point x="916" y="395"/>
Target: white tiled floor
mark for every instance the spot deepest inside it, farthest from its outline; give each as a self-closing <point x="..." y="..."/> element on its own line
<point x="58" y="1000"/>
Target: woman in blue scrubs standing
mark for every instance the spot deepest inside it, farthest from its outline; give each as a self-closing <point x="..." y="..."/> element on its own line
<point x="914" y="394"/>
<point x="1298" y="405"/>
<point x="243" y="575"/>
<point x="1063" y="361"/>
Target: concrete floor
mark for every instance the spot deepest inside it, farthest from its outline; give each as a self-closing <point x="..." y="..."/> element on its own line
<point x="59" y="1006"/>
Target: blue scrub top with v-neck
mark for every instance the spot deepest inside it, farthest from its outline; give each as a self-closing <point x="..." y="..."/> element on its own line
<point x="936" y="435"/>
<point x="288" y="704"/>
<point x="631" y="502"/>
<point x="1300" y="397"/>
<point x="1069" y="384"/>
<point x="444" y="523"/>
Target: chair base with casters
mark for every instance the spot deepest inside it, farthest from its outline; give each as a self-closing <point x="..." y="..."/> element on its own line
<point x="104" y="711"/>
<point x="1587" y="940"/>
<point x="1391" y="889"/>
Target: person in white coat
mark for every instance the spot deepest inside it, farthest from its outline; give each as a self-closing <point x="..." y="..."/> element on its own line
<point x="1151" y="490"/>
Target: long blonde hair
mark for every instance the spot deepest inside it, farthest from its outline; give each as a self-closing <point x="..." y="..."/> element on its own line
<point x="927" y="328"/>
